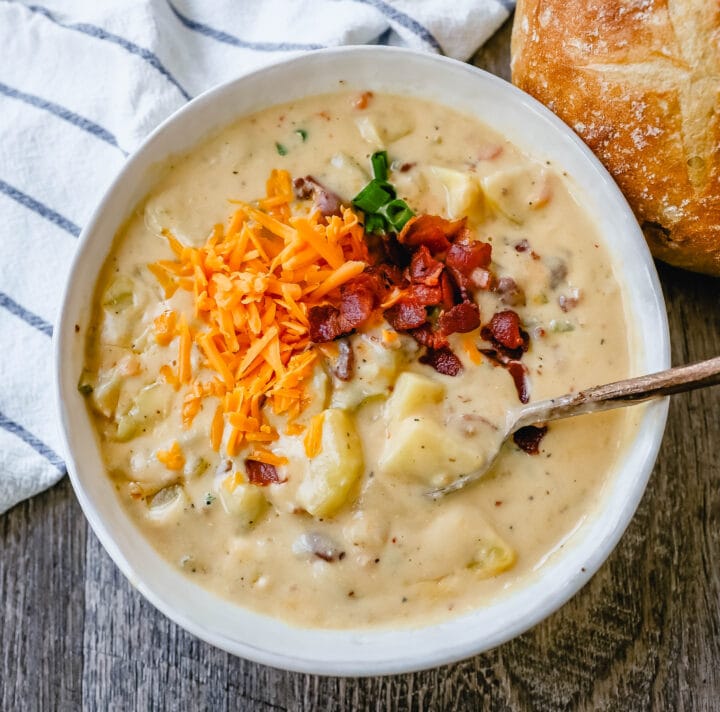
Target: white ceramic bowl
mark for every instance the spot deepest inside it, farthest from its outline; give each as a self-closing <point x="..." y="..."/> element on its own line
<point x="364" y="652"/>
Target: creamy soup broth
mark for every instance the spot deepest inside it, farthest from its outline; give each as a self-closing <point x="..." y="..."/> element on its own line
<point x="388" y="554"/>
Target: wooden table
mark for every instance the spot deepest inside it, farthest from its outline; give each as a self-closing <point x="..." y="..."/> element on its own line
<point x="643" y="634"/>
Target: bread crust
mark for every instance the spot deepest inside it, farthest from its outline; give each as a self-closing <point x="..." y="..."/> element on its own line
<point x="639" y="81"/>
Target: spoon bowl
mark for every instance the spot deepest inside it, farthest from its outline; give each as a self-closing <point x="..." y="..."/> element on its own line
<point x="618" y="394"/>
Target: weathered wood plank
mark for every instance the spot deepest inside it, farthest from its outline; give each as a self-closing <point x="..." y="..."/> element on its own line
<point x="42" y="567"/>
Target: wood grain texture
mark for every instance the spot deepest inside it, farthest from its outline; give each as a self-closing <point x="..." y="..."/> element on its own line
<point x="643" y="634"/>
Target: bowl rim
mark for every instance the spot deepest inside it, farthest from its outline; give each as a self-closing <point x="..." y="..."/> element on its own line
<point x="446" y="651"/>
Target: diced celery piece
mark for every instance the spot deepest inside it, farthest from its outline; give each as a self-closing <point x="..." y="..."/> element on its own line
<point x="196" y="467"/>
<point x="119" y="295"/>
<point x="86" y="383"/>
<point x="167" y="502"/>
<point x="559" y="326"/>
<point x="332" y="473"/>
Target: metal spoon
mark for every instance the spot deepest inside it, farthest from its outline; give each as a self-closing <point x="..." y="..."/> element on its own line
<point x="592" y="400"/>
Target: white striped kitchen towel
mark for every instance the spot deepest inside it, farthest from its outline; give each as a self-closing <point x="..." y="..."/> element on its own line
<point x="82" y="82"/>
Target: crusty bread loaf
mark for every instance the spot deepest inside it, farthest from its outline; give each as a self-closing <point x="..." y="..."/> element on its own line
<point x="639" y="81"/>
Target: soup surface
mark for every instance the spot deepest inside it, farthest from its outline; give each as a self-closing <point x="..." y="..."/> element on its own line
<point x="276" y="390"/>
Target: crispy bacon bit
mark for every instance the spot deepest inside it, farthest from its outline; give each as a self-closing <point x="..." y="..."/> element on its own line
<point x="392" y="251"/>
<point x="424" y="268"/>
<point x="519" y="376"/>
<point x="425" y="336"/>
<point x="443" y="360"/>
<point x="405" y="167"/>
<point x="363" y="100"/>
<point x="461" y="318"/>
<point x="260" y="473"/>
<point x="529" y="437"/>
<point x="427" y="296"/>
<point x="515" y="368"/>
<point x="448" y="291"/>
<point x="510" y="293"/>
<point x="406" y="314"/>
<point x="504" y="328"/>
<point x="497" y="357"/>
<point x="383" y="278"/>
<point x="357" y="301"/>
<point x="524" y="246"/>
<point x="327" y="202"/>
<point x="465" y="257"/>
<point x="345" y="362"/>
<point x="430" y="230"/>
<point x="324" y="324"/>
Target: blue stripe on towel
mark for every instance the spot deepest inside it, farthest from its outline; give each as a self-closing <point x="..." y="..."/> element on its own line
<point x="35" y="443"/>
<point x="62" y="112"/>
<point x="221" y="36"/>
<point x="27" y="316"/>
<point x="101" y="34"/>
<point x="37" y="207"/>
<point x="406" y="21"/>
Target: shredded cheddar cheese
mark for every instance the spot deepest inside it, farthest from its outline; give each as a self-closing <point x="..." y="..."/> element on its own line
<point x="232" y="482"/>
<point x="253" y="284"/>
<point x="173" y="459"/>
<point x="468" y="343"/>
<point x="313" y="439"/>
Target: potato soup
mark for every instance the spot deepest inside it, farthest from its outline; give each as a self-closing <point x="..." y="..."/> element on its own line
<point x="327" y="311"/>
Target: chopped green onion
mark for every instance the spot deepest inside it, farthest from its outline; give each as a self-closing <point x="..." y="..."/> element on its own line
<point x="302" y="134"/>
<point x="378" y="200"/>
<point x="375" y="223"/>
<point x="397" y="213"/>
<point x="373" y="196"/>
<point x="379" y="161"/>
<point x="281" y="149"/>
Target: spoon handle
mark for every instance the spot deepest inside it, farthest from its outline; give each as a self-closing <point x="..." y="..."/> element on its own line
<point x="622" y="393"/>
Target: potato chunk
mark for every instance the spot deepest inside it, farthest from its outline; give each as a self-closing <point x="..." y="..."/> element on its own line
<point x="517" y="191"/>
<point x="476" y="546"/>
<point x="420" y="448"/>
<point x="150" y="405"/>
<point x="411" y="393"/>
<point x="376" y="367"/>
<point x="246" y="503"/>
<point x="462" y="192"/>
<point x="338" y="466"/>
